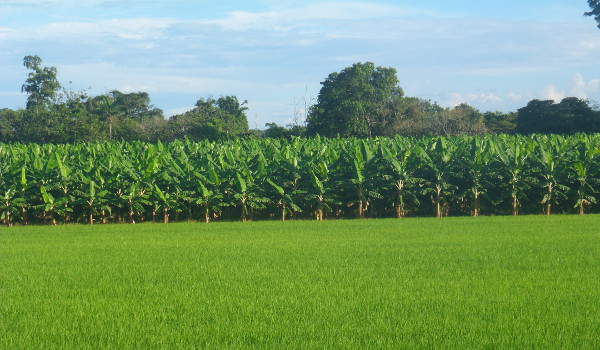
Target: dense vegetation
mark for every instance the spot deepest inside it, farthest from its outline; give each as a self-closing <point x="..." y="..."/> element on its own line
<point x="360" y="101"/>
<point x="528" y="282"/>
<point x="301" y="178"/>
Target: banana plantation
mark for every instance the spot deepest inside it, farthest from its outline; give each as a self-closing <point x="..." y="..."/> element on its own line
<point x="316" y="178"/>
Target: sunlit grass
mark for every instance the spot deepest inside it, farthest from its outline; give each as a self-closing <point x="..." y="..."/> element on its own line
<point x="488" y="282"/>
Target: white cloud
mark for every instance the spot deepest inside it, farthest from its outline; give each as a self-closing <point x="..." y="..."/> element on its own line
<point x="515" y="97"/>
<point x="582" y="89"/>
<point x="550" y="92"/>
<point x="473" y="98"/>
<point x="514" y="70"/>
<point x="130" y="29"/>
<point x="6" y="33"/>
<point x="126" y="79"/>
<point x="285" y="20"/>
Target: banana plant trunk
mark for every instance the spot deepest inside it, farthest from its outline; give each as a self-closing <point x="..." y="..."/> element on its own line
<point x="515" y="204"/>
<point x="243" y="210"/>
<point x="438" y="206"/>
<point x="548" y="202"/>
<point x="476" y="203"/>
<point x="398" y="211"/>
<point x="131" y="220"/>
<point x="166" y="215"/>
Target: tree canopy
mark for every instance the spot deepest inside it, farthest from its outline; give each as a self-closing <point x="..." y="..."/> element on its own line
<point x="570" y="116"/>
<point x="41" y="85"/>
<point x="363" y="100"/>
<point x="595" y="10"/>
<point x="354" y="101"/>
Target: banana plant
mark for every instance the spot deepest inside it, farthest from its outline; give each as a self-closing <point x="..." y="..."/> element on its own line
<point x="319" y="194"/>
<point x="166" y="201"/>
<point x="477" y="155"/>
<point x="514" y="155"/>
<point x="352" y="177"/>
<point x="52" y="207"/>
<point x="584" y="172"/>
<point x="247" y="194"/>
<point x="398" y="179"/>
<point x="210" y="201"/>
<point x="24" y="189"/>
<point x="91" y="201"/>
<point x="439" y="159"/>
<point x="11" y="205"/>
<point x="136" y="200"/>
<point x="551" y="170"/>
<point x="284" y="200"/>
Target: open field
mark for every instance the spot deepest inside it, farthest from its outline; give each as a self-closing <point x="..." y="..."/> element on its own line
<point x="456" y="283"/>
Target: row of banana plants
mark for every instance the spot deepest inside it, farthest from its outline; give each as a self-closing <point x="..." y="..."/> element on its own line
<point x="313" y="178"/>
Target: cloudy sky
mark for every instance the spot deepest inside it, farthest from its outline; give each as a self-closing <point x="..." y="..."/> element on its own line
<point x="492" y="54"/>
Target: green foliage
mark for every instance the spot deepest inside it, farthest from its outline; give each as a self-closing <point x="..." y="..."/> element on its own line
<point x="41" y="85"/>
<point x="211" y="119"/>
<point x="500" y="123"/>
<point x="362" y="100"/>
<point x="353" y="102"/>
<point x="261" y="179"/>
<point x="571" y="115"/>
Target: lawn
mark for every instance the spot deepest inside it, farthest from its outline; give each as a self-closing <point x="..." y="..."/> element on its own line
<point x="455" y="283"/>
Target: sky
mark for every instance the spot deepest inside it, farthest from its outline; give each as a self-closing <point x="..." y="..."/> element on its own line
<point x="492" y="54"/>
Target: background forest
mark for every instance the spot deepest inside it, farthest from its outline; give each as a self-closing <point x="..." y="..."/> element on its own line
<point x="362" y="100"/>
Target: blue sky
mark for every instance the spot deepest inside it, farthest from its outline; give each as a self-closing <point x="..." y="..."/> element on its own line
<point x="494" y="55"/>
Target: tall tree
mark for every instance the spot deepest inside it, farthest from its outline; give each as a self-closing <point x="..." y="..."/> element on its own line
<point x="41" y="85"/>
<point x="595" y="10"/>
<point x="353" y="102"/>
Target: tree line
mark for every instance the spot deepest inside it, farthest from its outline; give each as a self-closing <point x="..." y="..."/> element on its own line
<point x="362" y="100"/>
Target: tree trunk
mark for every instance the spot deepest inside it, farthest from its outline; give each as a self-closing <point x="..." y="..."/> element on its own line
<point x="398" y="211"/>
<point x="359" y="215"/>
<point x="131" y="220"/>
<point x="515" y="210"/>
<point x="549" y="201"/>
<point x="91" y="218"/>
<point x="581" y="210"/>
<point x="24" y="213"/>
<point x="476" y="204"/>
<point x="206" y="216"/>
<point x="283" y="212"/>
<point x="438" y="207"/>
<point x="166" y="215"/>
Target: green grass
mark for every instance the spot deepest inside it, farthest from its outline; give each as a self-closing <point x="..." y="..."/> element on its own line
<point x="455" y="283"/>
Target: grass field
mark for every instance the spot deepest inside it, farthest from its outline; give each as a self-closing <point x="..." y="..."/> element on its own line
<point x="455" y="283"/>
